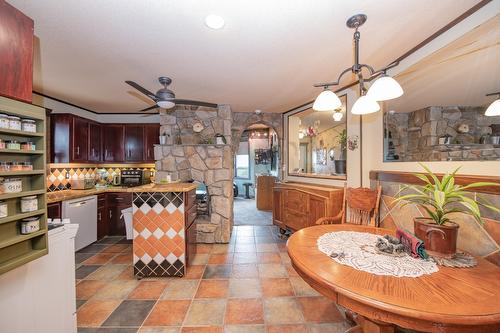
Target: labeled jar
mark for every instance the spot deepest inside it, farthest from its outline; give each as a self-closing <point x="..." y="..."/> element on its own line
<point x="4" y="121"/>
<point x="3" y="209"/>
<point x="16" y="166"/>
<point x="29" y="225"/>
<point x="27" y="166"/>
<point x="4" y="166"/>
<point x="28" y="125"/>
<point x="2" y="144"/>
<point x="29" y="204"/>
<point x="12" y="144"/>
<point x="14" y="123"/>
<point x="28" y="145"/>
<point x="12" y="185"/>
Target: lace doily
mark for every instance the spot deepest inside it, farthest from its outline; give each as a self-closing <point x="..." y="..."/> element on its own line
<point x="357" y="249"/>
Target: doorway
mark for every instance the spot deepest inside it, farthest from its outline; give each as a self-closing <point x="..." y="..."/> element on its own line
<point x="256" y="165"/>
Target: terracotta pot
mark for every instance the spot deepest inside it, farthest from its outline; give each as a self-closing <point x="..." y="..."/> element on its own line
<point x="439" y="240"/>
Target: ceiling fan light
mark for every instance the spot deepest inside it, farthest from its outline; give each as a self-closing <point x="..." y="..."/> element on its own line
<point x="493" y="109"/>
<point x="165" y="104"/>
<point x="365" y="105"/>
<point x="327" y="101"/>
<point x="385" y="88"/>
<point x="215" y="22"/>
<point x="337" y="116"/>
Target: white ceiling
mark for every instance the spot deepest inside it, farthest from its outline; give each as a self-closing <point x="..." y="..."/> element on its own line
<point x="266" y="57"/>
<point x="461" y="73"/>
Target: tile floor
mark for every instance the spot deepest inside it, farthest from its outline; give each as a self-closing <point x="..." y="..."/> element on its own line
<point x="247" y="286"/>
<point x="245" y="213"/>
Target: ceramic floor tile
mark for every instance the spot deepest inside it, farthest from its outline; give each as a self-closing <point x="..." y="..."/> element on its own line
<point x="109" y="240"/>
<point x="268" y="258"/>
<point x="301" y="288"/>
<point x="244" y="239"/>
<point x="223" y="258"/>
<point x="194" y="271"/>
<point x="81" y="257"/>
<point x="116" y="290"/>
<point x="87" y="288"/>
<point x="277" y="287"/>
<point x="129" y="313"/>
<point x="206" y="312"/>
<point x="296" y="328"/>
<point x="265" y="240"/>
<point x="148" y="290"/>
<point x="168" y="313"/>
<point x="94" y="313"/>
<point x="203" y="329"/>
<point x="79" y="303"/>
<point x="213" y="289"/>
<point x="245" y="258"/>
<point x="204" y="248"/>
<point x="126" y="274"/>
<point x="116" y="248"/>
<point x="285" y="258"/>
<point x="217" y="272"/>
<point x="125" y="258"/>
<point x="244" y="288"/>
<point x="107" y="272"/>
<point x="85" y="270"/>
<point x="93" y="248"/>
<point x="291" y="271"/>
<point x="272" y="271"/>
<point x="282" y="310"/>
<point x="199" y="259"/>
<point x="222" y="248"/>
<point x="244" y="329"/>
<point x="99" y="259"/>
<point x="266" y="247"/>
<point x="180" y="289"/>
<point x="244" y="311"/>
<point x="244" y="271"/>
<point x="244" y="247"/>
<point x="319" y="309"/>
<point x="159" y="330"/>
<point x="328" y="328"/>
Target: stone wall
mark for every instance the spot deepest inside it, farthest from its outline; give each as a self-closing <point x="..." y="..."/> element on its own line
<point x="415" y="135"/>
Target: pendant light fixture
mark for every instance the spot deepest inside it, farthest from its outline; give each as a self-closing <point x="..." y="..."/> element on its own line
<point x="384" y="87"/>
<point x="338" y="115"/>
<point x="494" y="108"/>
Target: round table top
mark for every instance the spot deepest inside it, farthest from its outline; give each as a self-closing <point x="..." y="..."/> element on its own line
<point x="456" y="296"/>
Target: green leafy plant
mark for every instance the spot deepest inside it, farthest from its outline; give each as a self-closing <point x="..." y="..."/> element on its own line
<point x="440" y="197"/>
<point x="342" y="142"/>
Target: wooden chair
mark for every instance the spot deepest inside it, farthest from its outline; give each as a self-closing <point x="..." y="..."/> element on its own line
<point x="361" y="205"/>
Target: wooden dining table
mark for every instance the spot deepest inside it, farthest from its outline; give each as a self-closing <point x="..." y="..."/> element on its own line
<point x="452" y="300"/>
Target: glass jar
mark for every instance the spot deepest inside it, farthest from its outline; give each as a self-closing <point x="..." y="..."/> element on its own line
<point x="28" y="145"/>
<point x="12" y="144"/>
<point x="4" y="166"/>
<point x="29" y="225"/>
<point x="29" y="204"/>
<point x="27" y="166"/>
<point x="14" y="123"/>
<point x="3" y="209"/>
<point x="12" y="185"/>
<point x="28" y="125"/>
<point x="4" y="121"/>
<point x="2" y="144"/>
<point x="16" y="166"/>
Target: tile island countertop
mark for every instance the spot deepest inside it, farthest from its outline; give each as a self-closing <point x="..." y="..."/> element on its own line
<point x="63" y="195"/>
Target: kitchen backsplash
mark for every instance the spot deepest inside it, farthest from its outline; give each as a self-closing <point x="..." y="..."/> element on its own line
<point x="59" y="179"/>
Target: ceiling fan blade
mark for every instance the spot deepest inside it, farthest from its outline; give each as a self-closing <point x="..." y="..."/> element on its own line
<point x="142" y="90"/>
<point x="149" y="114"/>
<point x="149" y="108"/>
<point x="190" y="102"/>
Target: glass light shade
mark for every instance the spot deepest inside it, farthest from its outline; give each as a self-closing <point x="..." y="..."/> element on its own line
<point x="165" y="104"/>
<point x="327" y="101"/>
<point x="301" y="135"/>
<point x="384" y="88"/>
<point x="493" y="109"/>
<point x="337" y="116"/>
<point x="365" y="105"/>
<point x="214" y="22"/>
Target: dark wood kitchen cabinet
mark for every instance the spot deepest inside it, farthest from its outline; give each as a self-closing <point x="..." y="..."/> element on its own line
<point x="134" y="143"/>
<point x="54" y="210"/>
<point x="95" y="142"/>
<point x="16" y="53"/>
<point x="102" y="217"/>
<point x="113" y="143"/>
<point x="152" y="137"/>
<point x="116" y="202"/>
<point x="80" y="140"/>
<point x="69" y="138"/>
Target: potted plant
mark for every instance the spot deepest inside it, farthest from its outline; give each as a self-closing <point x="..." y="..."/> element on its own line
<point x="439" y="198"/>
<point x="340" y="164"/>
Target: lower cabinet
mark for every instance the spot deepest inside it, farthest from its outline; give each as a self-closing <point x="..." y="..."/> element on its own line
<point x="102" y="217"/>
<point x="190" y="213"/>
<point x="116" y="202"/>
<point x="298" y="205"/>
<point x="54" y="210"/>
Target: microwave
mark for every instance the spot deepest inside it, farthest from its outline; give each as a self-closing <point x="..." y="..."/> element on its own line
<point x="135" y="177"/>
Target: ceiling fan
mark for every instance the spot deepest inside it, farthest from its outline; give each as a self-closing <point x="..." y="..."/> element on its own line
<point x="165" y="98"/>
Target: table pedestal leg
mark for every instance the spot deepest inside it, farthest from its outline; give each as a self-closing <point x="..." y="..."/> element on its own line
<point x="368" y="326"/>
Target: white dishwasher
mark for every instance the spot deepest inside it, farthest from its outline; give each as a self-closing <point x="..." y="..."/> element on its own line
<point x="82" y="211"/>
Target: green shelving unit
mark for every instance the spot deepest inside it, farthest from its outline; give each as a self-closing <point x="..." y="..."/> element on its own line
<point x="17" y="249"/>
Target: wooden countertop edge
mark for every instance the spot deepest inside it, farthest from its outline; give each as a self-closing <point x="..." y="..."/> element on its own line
<point x="395" y="310"/>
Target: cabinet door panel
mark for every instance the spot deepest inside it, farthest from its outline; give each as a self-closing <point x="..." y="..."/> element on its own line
<point x="296" y="200"/>
<point x="134" y="143"/>
<point x="295" y="220"/>
<point x="94" y="142"/>
<point x="152" y="137"/>
<point x="102" y="222"/>
<point x="54" y="210"/>
<point x="80" y="139"/>
<point x="113" y="143"/>
<point x="317" y="209"/>
<point x="277" y="205"/>
<point x="190" y="242"/>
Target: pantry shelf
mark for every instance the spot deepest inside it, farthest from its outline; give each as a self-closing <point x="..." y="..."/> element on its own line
<point x="21" y="260"/>
<point x="21" y="194"/>
<point x="19" y="151"/>
<point x="20" y="133"/>
<point x="21" y="173"/>
<point x="21" y="238"/>
<point x="21" y="216"/>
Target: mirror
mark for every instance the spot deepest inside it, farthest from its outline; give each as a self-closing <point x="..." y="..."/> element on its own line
<point x="441" y="117"/>
<point x="317" y="143"/>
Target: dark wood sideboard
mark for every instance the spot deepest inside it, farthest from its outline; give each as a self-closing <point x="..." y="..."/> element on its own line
<point x="300" y="205"/>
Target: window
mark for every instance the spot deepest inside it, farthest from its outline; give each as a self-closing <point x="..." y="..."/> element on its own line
<point x="242" y="162"/>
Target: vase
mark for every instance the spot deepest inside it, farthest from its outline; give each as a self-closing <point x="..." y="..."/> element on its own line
<point x="439" y="240"/>
<point x="340" y="167"/>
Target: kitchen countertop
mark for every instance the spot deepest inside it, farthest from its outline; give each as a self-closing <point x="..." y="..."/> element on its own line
<point x="63" y="195"/>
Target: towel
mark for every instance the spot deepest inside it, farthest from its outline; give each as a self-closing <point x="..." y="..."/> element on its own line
<point x="415" y="247"/>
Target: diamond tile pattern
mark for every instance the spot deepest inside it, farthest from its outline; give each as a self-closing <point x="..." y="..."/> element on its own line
<point x="159" y="245"/>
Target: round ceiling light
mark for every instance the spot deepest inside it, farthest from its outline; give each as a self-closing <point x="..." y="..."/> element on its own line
<point x="214" y="22"/>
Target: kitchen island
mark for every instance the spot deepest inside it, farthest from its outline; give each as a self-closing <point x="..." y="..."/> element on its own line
<point x="164" y="228"/>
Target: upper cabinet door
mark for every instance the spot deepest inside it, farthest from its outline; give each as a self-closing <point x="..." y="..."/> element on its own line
<point x="152" y="135"/>
<point x="80" y="140"/>
<point x="113" y="143"/>
<point x="16" y="53"/>
<point x="134" y="143"/>
<point x="95" y="142"/>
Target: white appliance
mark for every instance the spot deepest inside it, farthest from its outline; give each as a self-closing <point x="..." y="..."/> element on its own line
<point x="40" y="296"/>
<point x="82" y="211"/>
